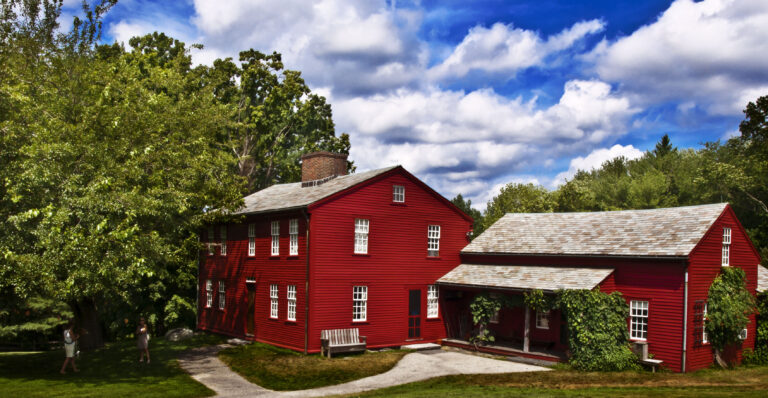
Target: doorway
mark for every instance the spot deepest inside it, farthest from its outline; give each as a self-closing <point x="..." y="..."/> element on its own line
<point x="250" y="316"/>
<point x="414" y="314"/>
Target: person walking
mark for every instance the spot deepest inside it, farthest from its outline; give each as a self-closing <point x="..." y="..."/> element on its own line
<point x="69" y="347"/>
<point x="142" y="339"/>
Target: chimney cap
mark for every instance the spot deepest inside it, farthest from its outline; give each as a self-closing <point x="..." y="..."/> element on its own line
<point x="324" y="154"/>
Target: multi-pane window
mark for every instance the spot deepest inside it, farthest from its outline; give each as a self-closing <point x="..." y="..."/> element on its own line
<point x="542" y="319"/>
<point x="432" y="301"/>
<point x="726" y="247"/>
<point x="251" y="239"/>
<point x="359" y="303"/>
<point x="273" y="301"/>
<point x="398" y="193"/>
<point x="638" y="323"/>
<point x="291" y="302"/>
<point x="293" y="230"/>
<point x="433" y="238"/>
<point x="223" y="240"/>
<point x="210" y="241"/>
<point x="361" y="235"/>
<point x="275" y="238"/>
<point x="222" y="296"/>
<point x="704" y="336"/>
<point x="208" y="293"/>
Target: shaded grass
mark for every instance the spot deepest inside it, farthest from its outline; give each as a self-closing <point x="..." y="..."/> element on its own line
<point x="110" y="371"/>
<point x="741" y="382"/>
<point x="282" y="369"/>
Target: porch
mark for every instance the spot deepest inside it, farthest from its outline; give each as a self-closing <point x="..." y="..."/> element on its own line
<point x="536" y="351"/>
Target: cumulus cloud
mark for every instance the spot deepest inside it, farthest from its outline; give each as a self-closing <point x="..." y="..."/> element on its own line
<point x="710" y="52"/>
<point x="505" y="49"/>
<point x="595" y="159"/>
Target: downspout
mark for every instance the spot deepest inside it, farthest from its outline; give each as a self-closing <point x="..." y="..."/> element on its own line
<point x="306" y="289"/>
<point x="685" y="320"/>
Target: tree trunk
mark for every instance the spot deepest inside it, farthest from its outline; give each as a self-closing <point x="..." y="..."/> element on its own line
<point x="88" y="324"/>
<point x="719" y="359"/>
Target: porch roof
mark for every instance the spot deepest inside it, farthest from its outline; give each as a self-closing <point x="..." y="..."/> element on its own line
<point x="525" y="277"/>
<point x="762" y="278"/>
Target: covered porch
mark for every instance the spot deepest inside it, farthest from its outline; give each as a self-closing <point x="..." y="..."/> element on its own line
<point x="518" y="330"/>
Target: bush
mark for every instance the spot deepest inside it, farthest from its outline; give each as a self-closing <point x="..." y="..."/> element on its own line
<point x="728" y="309"/>
<point x="759" y="356"/>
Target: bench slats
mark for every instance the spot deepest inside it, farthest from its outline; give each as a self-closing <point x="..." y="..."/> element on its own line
<point x="342" y="340"/>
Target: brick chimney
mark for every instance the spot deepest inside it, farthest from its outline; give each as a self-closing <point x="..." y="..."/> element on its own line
<point x="322" y="165"/>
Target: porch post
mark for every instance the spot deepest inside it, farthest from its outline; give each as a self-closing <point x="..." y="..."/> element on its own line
<point x="527" y="335"/>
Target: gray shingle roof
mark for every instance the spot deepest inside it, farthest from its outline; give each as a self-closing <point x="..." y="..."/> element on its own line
<point x="525" y="276"/>
<point x="659" y="232"/>
<point x="762" y="278"/>
<point x="289" y="196"/>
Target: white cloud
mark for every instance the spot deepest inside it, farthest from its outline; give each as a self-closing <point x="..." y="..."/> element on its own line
<point x="595" y="159"/>
<point x="504" y="49"/>
<point x="710" y="52"/>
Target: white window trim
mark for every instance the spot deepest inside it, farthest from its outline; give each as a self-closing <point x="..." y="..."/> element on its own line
<point x="275" y="232"/>
<point x="433" y="241"/>
<point x="726" y="254"/>
<point x="274" y="306"/>
<point x="636" y="307"/>
<point x="222" y="295"/>
<point x="362" y="229"/>
<point x="208" y="293"/>
<point x="398" y="193"/>
<point x="542" y="320"/>
<point x="223" y="233"/>
<point x="359" y="303"/>
<point x="251" y="240"/>
<point x="293" y="230"/>
<point x="433" y="302"/>
<point x="210" y="241"/>
<point x="291" y="295"/>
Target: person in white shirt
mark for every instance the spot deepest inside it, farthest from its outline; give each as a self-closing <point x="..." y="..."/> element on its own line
<point x="69" y="347"/>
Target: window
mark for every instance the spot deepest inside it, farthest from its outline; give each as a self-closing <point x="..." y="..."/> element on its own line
<point x="542" y="319"/>
<point x="398" y="193"/>
<point x="273" y="301"/>
<point x="704" y="336"/>
<point x="433" y="237"/>
<point x="293" y="230"/>
<point x="210" y="241"/>
<point x="222" y="296"/>
<point x="251" y="239"/>
<point x="361" y="236"/>
<point x="359" y="303"/>
<point x="638" y="324"/>
<point x="291" y="302"/>
<point x="432" y="302"/>
<point x="494" y="317"/>
<point x="275" y="238"/>
<point x="208" y="293"/>
<point x="223" y="240"/>
<point x="726" y="246"/>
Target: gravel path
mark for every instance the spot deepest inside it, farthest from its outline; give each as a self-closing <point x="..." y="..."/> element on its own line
<point x="206" y="368"/>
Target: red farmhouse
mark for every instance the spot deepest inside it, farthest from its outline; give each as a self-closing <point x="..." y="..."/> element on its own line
<point x="662" y="261"/>
<point x="334" y="251"/>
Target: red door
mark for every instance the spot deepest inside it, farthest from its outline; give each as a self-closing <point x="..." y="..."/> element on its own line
<point x="250" y="321"/>
<point x="414" y="314"/>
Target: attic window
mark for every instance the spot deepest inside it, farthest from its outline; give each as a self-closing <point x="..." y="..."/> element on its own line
<point x="726" y="247"/>
<point x="398" y="194"/>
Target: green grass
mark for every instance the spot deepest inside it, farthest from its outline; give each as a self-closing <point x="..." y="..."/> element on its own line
<point x="281" y="369"/>
<point x="110" y="371"/>
<point x="562" y="382"/>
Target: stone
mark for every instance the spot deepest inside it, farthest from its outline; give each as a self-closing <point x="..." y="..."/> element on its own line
<point x="179" y="334"/>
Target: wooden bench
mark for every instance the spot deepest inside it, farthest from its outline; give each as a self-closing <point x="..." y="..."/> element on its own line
<point x="341" y="340"/>
<point x="641" y="350"/>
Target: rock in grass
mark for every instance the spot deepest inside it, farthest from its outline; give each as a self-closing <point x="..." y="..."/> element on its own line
<point x="179" y="334"/>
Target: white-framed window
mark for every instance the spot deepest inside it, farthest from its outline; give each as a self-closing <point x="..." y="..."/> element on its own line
<point x="494" y="317"/>
<point x="359" y="303"/>
<point x="638" y="321"/>
<point x="208" y="293"/>
<point x="361" y="235"/>
<point x="273" y="306"/>
<point x="223" y="232"/>
<point x="433" y="240"/>
<point x="210" y="241"/>
<point x="704" y="335"/>
<point x="726" y="247"/>
<point x="432" y="301"/>
<point x="542" y="319"/>
<point x="291" y="295"/>
<point x="222" y="296"/>
<point x="275" y="238"/>
<point x="398" y="193"/>
<point x="293" y="230"/>
<point x="251" y="239"/>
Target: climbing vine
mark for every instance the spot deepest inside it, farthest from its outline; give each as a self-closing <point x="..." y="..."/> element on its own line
<point x="483" y="308"/>
<point x="759" y="356"/>
<point x="728" y="309"/>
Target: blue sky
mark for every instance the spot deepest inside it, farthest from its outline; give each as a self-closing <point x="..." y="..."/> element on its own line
<point x="471" y="95"/>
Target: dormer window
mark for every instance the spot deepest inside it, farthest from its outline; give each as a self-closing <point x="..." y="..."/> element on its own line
<point x="398" y="194"/>
<point x="726" y="247"/>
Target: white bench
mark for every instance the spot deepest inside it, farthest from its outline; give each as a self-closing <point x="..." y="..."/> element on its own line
<point x="341" y="340"/>
<point x="641" y="350"/>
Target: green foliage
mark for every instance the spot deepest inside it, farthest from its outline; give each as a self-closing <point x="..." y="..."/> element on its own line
<point x="517" y="198"/>
<point x="538" y="301"/>
<point x="759" y="356"/>
<point x="466" y="206"/>
<point x="179" y="312"/>
<point x="728" y="308"/>
<point x="483" y="308"/>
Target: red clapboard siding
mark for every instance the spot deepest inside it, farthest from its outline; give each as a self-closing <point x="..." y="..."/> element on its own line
<point x="705" y="265"/>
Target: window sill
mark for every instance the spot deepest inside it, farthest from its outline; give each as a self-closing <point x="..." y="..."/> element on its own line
<point x="361" y="322"/>
<point x="433" y="258"/>
<point x="638" y="340"/>
<point x="401" y="204"/>
<point x="437" y="318"/>
<point x="292" y="257"/>
<point x="290" y="322"/>
<point x="273" y="319"/>
<point x="361" y="254"/>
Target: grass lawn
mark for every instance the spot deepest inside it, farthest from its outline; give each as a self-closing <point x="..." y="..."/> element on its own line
<point x="281" y="369"/>
<point x="739" y="382"/>
<point x="110" y="371"/>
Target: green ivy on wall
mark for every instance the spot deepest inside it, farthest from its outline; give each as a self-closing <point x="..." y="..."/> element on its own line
<point x="728" y="309"/>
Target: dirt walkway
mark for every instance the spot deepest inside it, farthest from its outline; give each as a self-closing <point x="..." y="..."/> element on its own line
<point x="206" y="368"/>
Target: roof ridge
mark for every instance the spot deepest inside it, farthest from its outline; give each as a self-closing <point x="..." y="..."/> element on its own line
<point x="623" y="210"/>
